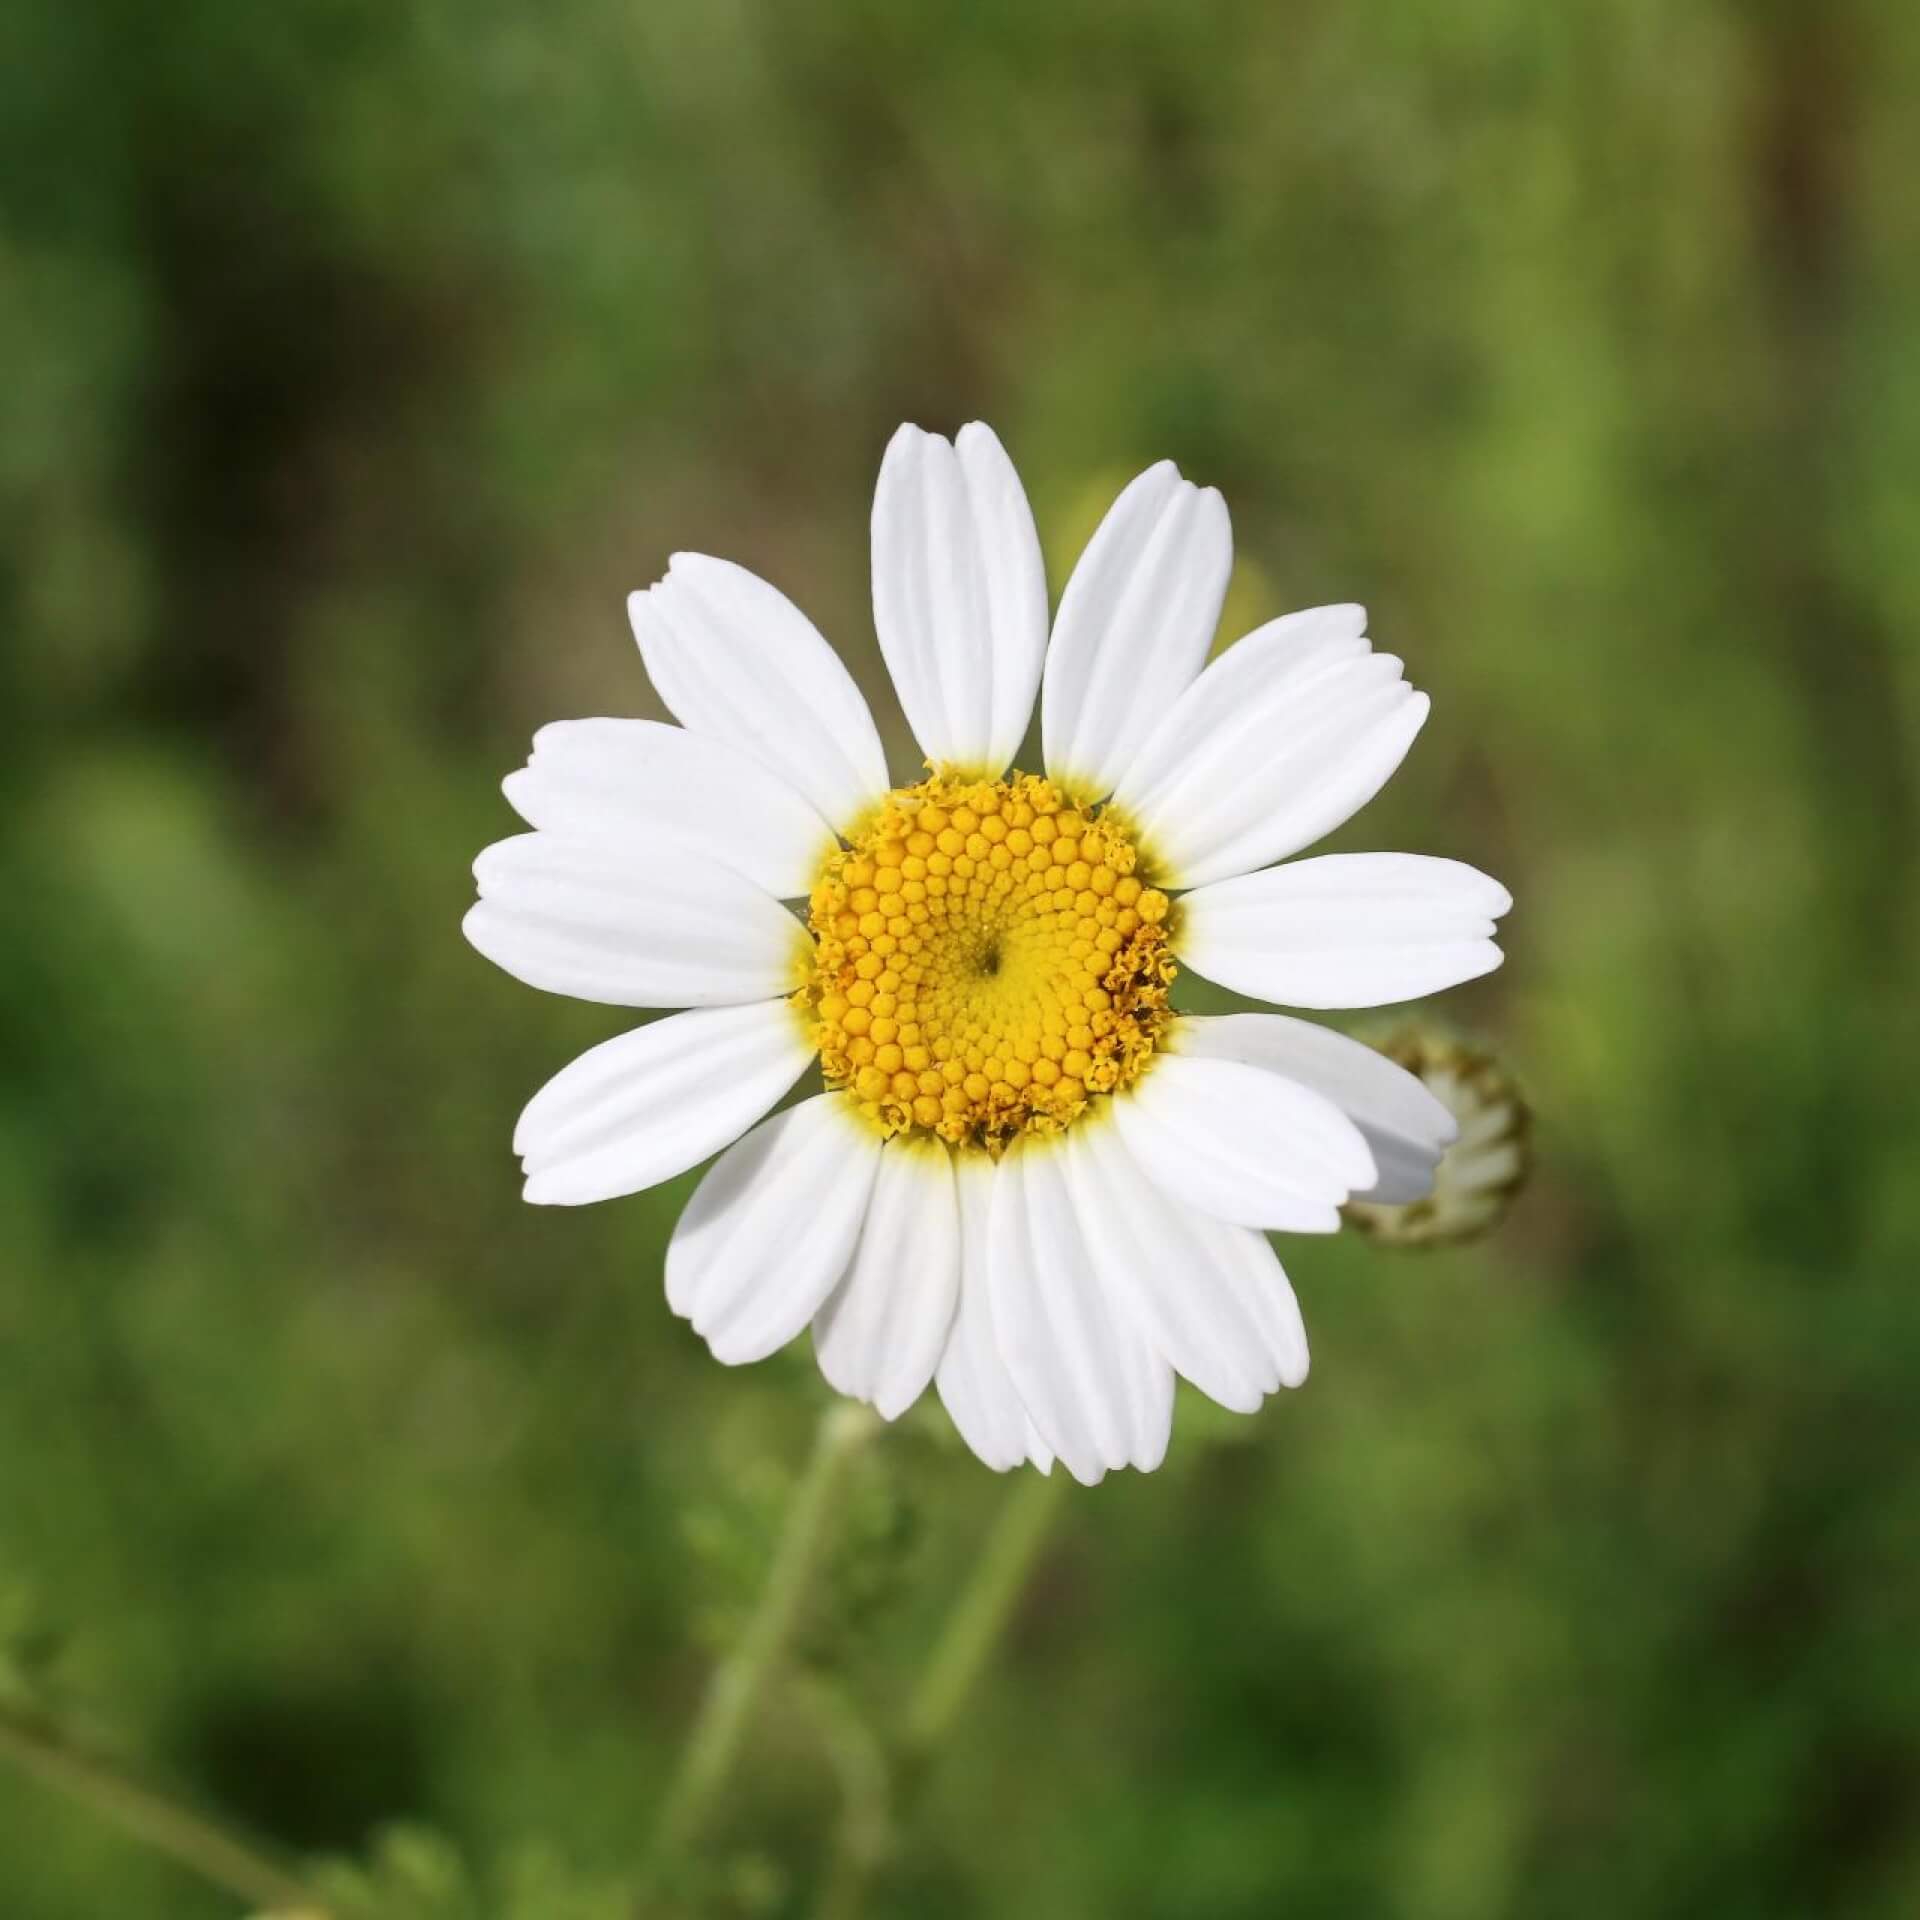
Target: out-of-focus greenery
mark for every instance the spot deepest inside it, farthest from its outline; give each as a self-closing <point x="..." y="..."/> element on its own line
<point x="361" y="354"/>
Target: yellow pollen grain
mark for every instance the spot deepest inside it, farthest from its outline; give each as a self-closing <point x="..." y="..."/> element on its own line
<point x="986" y="962"/>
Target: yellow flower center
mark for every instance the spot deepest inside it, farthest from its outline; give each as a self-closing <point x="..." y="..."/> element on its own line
<point x="986" y="961"/>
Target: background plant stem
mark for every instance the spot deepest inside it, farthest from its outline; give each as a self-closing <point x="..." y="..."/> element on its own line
<point x="166" y="1825"/>
<point x="972" y="1631"/>
<point x="714" y="1742"/>
<point x="864" y="1831"/>
<point x="979" y="1616"/>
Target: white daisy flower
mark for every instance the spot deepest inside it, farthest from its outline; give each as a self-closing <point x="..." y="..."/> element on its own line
<point x="1029" y="1181"/>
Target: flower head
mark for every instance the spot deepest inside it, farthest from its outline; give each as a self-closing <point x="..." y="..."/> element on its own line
<point x="1481" y="1173"/>
<point x="1029" y="1180"/>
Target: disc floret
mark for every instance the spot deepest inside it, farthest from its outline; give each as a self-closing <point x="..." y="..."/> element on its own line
<point x="987" y="961"/>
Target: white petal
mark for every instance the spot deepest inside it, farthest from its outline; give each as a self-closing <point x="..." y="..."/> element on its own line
<point x="975" y="1386"/>
<point x="1212" y="1296"/>
<point x="959" y="594"/>
<point x="1243" y="1144"/>
<point x="646" y="1105"/>
<point x="1405" y="1126"/>
<point x="1273" y="659"/>
<point x="1134" y="625"/>
<point x="631" y="780"/>
<point x="1344" y="930"/>
<point x="1286" y="735"/>
<point x="734" y="658"/>
<point x="1082" y="1363"/>
<point x="879" y="1336"/>
<point x="770" y="1230"/>
<point x="655" y="926"/>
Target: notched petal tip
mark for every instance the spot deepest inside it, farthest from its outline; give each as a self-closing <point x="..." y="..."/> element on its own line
<point x="978" y="433"/>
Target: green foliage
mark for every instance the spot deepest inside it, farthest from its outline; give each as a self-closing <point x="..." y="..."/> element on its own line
<point x="361" y="356"/>
<point x="414" y="1873"/>
<point x="30" y="1649"/>
<point x="732" y="1533"/>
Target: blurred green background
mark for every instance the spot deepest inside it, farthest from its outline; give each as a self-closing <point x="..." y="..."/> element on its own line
<point x="361" y="354"/>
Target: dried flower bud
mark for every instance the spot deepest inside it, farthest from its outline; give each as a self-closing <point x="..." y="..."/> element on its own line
<point x="1482" y="1171"/>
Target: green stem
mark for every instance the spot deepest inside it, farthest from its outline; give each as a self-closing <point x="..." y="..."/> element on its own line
<point x="864" y="1832"/>
<point x="164" y="1824"/>
<point x="979" y="1617"/>
<point x="965" y="1645"/>
<point x="726" y="1715"/>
